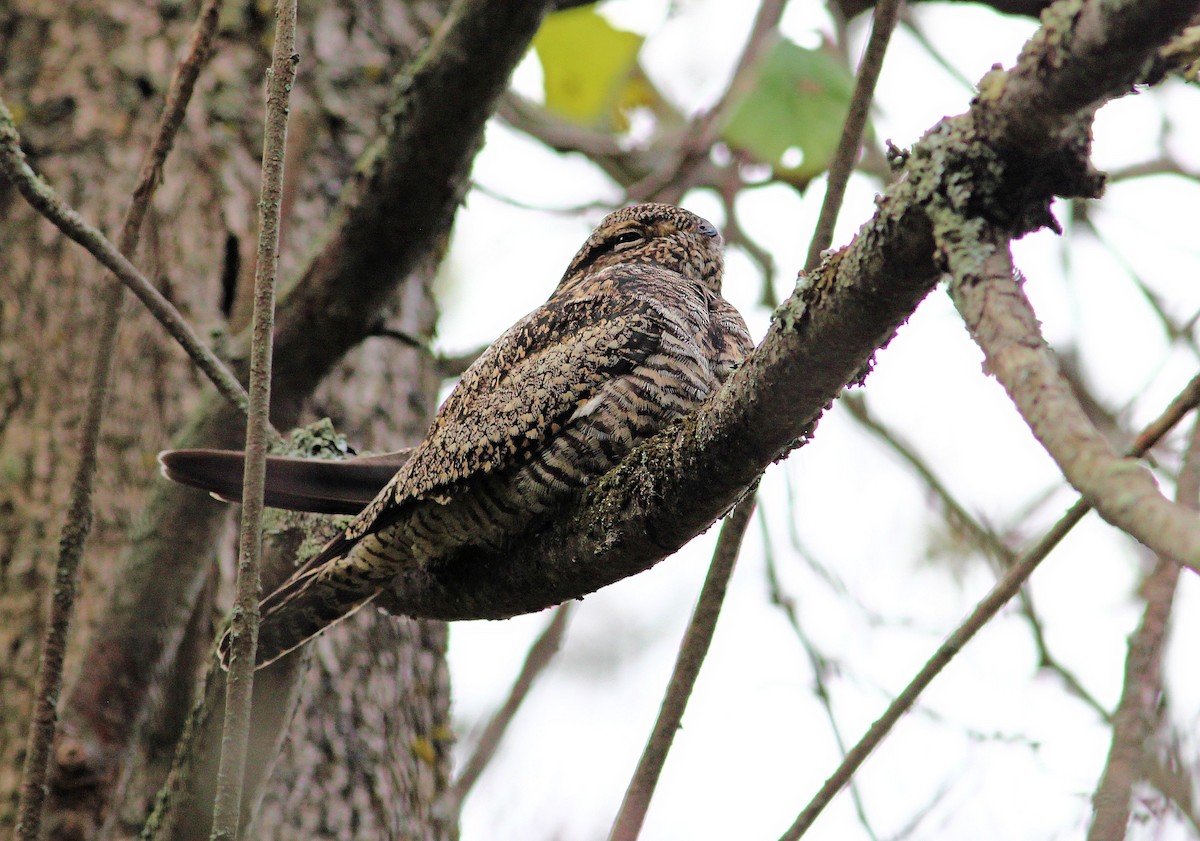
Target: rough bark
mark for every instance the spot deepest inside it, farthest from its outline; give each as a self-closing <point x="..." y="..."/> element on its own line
<point x="86" y="85"/>
<point x="86" y="119"/>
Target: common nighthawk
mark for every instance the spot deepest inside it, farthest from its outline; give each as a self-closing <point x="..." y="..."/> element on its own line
<point x="635" y="335"/>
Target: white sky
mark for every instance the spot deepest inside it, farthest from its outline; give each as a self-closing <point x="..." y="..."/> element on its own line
<point x="997" y="749"/>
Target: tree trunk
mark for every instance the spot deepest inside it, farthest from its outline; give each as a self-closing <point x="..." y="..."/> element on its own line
<point x="85" y="83"/>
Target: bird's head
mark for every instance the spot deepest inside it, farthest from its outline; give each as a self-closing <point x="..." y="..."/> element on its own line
<point x="656" y="234"/>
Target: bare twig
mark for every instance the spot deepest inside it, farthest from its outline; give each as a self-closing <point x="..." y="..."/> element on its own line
<point x="699" y="137"/>
<point x="42" y="198"/>
<point x="244" y="625"/>
<point x="1171" y="777"/>
<point x="1174" y="331"/>
<point x="918" y="32"/>
<point x="1157" y="166"/>
<point x="540" y="654"/>
<point x="633" y="810"/>
<point x="988" y="607"/>
<point x="79" y="506"/>
<point x="884" y="23"/>
<point x="820" y="664"/>
<point x="452" y="366"/>
<point x="692" y="649"/>
<point x="1003" y="324"/>
<point x="981" y="536"/>
<point x="735" y="235"/>
<point x="1049" y="662"/>
<point x="1137" y="712"/>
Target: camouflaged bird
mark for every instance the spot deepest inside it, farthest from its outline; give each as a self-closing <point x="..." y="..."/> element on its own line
<point x="635" y="335"/>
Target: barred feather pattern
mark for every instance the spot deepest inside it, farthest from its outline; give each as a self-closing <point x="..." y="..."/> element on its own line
<point x="635" y="335"/>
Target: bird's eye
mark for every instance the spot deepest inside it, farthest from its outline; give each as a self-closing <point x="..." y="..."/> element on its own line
<point x="626" y="237"/>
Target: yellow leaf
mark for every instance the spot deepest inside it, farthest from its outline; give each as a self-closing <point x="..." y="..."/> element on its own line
<point x="588" y="67"/>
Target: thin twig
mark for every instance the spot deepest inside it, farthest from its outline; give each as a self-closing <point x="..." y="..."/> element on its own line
<point x="692" y="650"/>
<point x="78" y="525"/>
<point x="1170" y="775"/>
<point x="633" y="810"/>
<point x="44" y="200"/>
<point x="62" y="604"/>
<point x="699" y="136"/>
<point x="536" y="660"/>
<point x="244" y="625"/>
<point x="736" y="236"/>
<point x="988" y="607"/>
<point x="629" y="819"/>
<point x="1138" y="710"/>
<point x="884" y="23"/>
<point x="818" y="662"/>
<point x="449" y="367"/>
<point x="981" y="537"/>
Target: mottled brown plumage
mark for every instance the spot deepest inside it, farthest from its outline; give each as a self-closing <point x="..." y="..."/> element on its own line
<point x="635" y="335"/>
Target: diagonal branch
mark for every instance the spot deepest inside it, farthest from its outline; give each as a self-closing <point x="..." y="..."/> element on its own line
<point x="692" y="650"/>
<point x="536" y="660"/>
<point x="44" y="200"/>
<point x="1002" y="322"/>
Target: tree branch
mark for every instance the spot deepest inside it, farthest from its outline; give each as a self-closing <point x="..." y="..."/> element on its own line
<point x="1002" y="322"/>
<point x="692" y="650"/>
<point x="239" y="687"/>
<point x="1138" y="710"/>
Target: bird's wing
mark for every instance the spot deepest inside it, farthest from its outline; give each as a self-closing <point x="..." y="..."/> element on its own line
<point x="522" y="391"/>
<point x="322" y="486"/>
<point x="729" y="336"/>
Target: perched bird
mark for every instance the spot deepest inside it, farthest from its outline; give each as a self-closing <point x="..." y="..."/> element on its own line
<point x="635" y="335"/>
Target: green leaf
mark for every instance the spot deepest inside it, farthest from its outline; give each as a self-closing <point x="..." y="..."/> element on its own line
<point x="589" y="68"/>
<point x="799" y="102"/>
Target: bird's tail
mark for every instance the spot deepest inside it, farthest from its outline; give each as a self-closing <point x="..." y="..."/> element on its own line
<point x="322" y="593"/>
